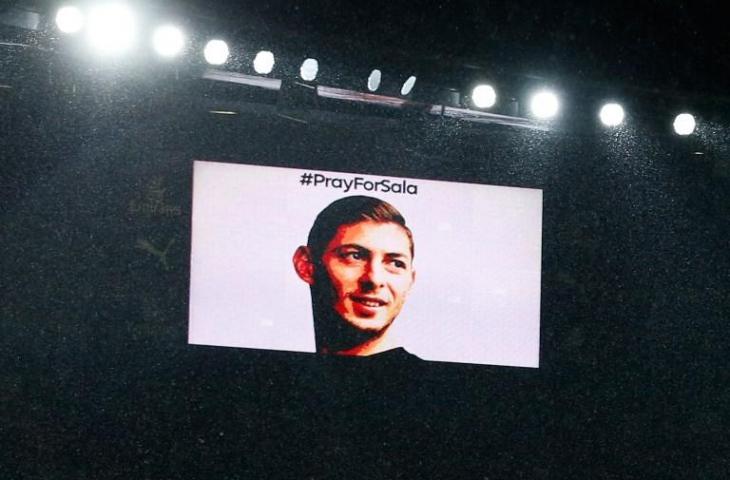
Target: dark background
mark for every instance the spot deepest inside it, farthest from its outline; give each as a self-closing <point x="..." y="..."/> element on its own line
<point x="97" y="379"/>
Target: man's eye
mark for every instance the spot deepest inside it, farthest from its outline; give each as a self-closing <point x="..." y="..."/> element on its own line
<point x="354" y="255"/>
<point x="398" y="263"/>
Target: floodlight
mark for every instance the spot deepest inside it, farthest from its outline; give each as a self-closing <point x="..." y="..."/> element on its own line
<point x="483" y="96"/>
<point x="264" y="62"/>
<point x="408" y="85"/>
<point x="544" y="105"/>
<point x="168" y="40"/>
<point x="684" y="124"/>
<point x="69" y="19"/>
<point x="111" y="28"/>
<point x="374" y="80"/>
<point x="309" y="69"/>
<point x="216" y="52"/>
<point x="612" y="114"/>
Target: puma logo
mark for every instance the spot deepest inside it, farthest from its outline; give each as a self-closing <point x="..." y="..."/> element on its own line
<point x="147" y="246"/>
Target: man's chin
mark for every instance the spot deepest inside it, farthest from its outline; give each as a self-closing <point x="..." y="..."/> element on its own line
<point x="372" y="326"/>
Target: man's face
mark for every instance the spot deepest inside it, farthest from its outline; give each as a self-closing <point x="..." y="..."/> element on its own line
<point x="370" y="268"/>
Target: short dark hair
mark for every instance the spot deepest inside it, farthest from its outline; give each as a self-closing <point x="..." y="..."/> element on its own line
<point x="347" y="211"/>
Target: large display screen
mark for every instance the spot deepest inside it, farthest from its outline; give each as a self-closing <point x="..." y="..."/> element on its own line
<point x="343" y="263"/>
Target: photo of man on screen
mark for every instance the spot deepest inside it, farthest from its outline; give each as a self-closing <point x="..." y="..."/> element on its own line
<point x="358" y="262"/>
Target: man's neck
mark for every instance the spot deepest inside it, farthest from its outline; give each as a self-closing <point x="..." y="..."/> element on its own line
<point x="379" y="344"/>
<point x="335" y="337"/>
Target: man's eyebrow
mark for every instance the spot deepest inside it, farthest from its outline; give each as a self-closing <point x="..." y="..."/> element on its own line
<point x="350" y="245"/>
<point x="346" y="246"/>
<point x="357" y="246"/>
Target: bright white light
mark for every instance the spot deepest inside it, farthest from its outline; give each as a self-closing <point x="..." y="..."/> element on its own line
<point x="684" y="124"/>
<point x="111" y="28"/>
<point x="264" y="62"/>
<point x="483" y="96"/>
<point x="544" y="105"/>
<point x="168" y="40"/>
<point x="612" y="114"/>
<point x="408" y="85"/>
<point x="309" y="69"/>
<point x="216" y="52"/>
<point x="69" y="19"/>
<point x="374" y="80"/>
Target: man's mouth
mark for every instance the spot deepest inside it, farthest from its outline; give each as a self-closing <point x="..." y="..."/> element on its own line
<point x="370" y="302"/>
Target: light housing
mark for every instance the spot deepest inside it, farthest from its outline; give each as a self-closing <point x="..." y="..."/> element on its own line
<point x="544" y="104"/>
<point x="374" y="80"/>
<point x="408" y="85"/>
<point x="216" y="52"/>
<point x="483" y="96"/>
<point x="612" y="114"/>
<point x="264" y="62"/>
<point x="309" y="69"/>
<point x="111" y="28"/>
<point x="168" y="40"/>
<point x="69" y="19"/>
<point x="684" y="124"/>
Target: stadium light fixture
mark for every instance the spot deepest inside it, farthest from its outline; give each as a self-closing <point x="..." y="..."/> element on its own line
<point x="168" y="40"/>
<point x="69" y="19"/>
<point x="216" y="52"/>
<point x="544" y="105"/>
<point x="483" y="96"/>
<point x="684" y="124"/>
<point x="408" y="86"/>
<point x="309" y="69"/>
<point x="374" y="80"/>
<point x="612" y="114"/>
<point x="111" y="28"/>
<point x="264" y="62"/>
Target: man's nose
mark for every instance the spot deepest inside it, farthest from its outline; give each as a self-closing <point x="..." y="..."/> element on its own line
<point x="373" y="275"/>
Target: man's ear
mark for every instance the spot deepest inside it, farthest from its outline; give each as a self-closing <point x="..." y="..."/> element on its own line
<point x="303" y="264"/>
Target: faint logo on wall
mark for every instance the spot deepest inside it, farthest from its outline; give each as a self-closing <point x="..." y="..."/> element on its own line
<point x="161" y="255"/>
<point x="153" y="202"/>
